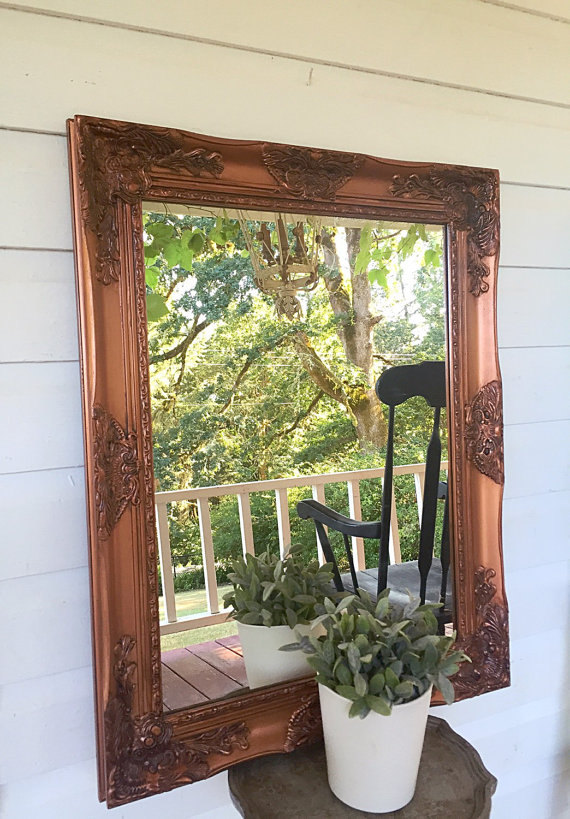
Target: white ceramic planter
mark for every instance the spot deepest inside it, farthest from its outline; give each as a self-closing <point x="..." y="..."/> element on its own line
<point x="373" y="763"/>
<point x="264" y="663"/>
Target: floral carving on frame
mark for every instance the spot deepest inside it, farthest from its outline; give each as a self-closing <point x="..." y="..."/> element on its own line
<point x="116" y="474"/>
<point x="488" y="646"/>
<point x="484" y="431"/>
<point x="142" y="756"/>
<point x="310" y="174"/>
<point x="117" y="160"/>
<point x="305" y="725"/>
<point x="470" y="197"/>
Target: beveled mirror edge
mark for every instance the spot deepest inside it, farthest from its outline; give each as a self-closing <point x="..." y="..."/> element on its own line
<point x="114" y="165"/>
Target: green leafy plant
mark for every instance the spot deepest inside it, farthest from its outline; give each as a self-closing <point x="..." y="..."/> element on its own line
<point x="377" y="654"/>
<point x="272" y="592"/>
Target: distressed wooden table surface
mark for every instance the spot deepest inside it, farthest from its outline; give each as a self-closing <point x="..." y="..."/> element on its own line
<point x="452" y="784"/>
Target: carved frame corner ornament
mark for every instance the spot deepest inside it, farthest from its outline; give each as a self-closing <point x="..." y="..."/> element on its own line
<point x="488" y="645"/>
<point x="116" y="470"/>
<point x="116" y="161"/>
<point x="142" y="756"/>
<point x="484" y="431"/>
<point x="310" y="174"/>
<point x="115" y="167"/>
<point x="470" y="197"/>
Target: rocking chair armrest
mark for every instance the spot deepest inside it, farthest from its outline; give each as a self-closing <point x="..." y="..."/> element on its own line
<point x="339" y="523"/>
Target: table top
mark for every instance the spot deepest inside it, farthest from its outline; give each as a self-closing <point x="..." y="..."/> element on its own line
<point x="452" y="782"/>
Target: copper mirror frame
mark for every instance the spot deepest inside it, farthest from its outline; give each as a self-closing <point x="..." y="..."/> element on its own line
<point x="114" y="166"/>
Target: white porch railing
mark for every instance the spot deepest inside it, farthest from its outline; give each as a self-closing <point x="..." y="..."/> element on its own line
<point x="243" y="491"/>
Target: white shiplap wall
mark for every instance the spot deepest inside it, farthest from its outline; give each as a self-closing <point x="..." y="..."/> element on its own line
<point x="396" y="79"/>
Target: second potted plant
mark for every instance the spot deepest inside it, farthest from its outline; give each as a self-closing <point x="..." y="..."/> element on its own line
<point x="270" y="598"/>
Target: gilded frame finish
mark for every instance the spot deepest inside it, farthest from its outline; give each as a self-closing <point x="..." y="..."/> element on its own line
<point x="114" y="165"/>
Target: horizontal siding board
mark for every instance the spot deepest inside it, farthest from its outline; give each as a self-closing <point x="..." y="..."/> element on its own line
<point x="527" y="715"/>
<point x="536" y="453"/>
<point x="453" y="53"/>
<point x="226" y="92"/>
<point x="41" y="285"/>
<point x="50" y="715"/>
<point x="533" y="307"/>
<point x="40" y="406"/>
<point x="45" y="625"/>
<point x="70" y="792"/>
<point x="32" y="544"/>
<point x="538" y="596"/>
<point x="533" y="221"/>
<point x="535" y="384"/>
<point x="37" y="212"/>
<point x="536" y="771"/>
<point x="543" y="798"/>
<point x="535" y="529"/>
<point x="504" y="749"/>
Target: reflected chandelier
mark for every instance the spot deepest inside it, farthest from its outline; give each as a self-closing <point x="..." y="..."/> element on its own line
<point x="284" y="266"/>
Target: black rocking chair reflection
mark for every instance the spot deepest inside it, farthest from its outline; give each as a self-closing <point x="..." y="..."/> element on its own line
<point x="394" y="387"/>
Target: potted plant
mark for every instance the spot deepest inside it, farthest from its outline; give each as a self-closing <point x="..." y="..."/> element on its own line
<point x="270" y="598"/>
<point x="377" y="662"/>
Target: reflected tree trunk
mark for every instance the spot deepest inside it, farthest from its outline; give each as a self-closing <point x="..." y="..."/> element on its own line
<point x="351" y="306"/>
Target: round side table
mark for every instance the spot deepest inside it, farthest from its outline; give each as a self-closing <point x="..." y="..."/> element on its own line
<point x="452" y="783"/>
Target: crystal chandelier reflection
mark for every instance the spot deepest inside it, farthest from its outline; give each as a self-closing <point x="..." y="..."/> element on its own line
<point x="286" y="260"/>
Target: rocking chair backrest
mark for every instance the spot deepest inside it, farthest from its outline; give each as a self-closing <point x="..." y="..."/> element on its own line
<point x="394" y="387"/>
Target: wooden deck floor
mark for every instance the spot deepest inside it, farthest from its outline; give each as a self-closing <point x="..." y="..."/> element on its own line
<point x="207" y="671"/>
<point x="199" y="673"/>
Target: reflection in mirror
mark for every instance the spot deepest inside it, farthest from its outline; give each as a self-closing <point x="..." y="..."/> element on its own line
<point x="267" y="334"/>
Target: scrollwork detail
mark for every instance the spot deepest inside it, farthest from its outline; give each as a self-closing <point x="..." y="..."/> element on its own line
<point x="470" y="198"/>
<point x="310" y="174"/>
<point x="488" y="646"/>
<point x="305" y="725"/>
<point x="484" y="432"/>
<point x="116" y="160"/>
<point x="116" y="472"/>
<point x="142" y="756"/>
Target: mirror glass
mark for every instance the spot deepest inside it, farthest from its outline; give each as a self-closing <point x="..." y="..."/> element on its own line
<point x="267" y="333"/>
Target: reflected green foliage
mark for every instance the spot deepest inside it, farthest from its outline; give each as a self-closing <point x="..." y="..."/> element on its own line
<point x="273" y="591"/>
<point x="233" y="397"/>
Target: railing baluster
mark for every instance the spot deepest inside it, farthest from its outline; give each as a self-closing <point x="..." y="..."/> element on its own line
<point x="394" y="550"/>
<point x="318" y="490"/>
<point x="394" y="545"/>
<point x="165" y="557"/>
<point x="355" y="513"/>
<point x="419" y="480"/>
<point x="245" y="525"/>
<point x="208" y="555"/>
<point x="283" y="522"/>
<point x="243" y="491"/>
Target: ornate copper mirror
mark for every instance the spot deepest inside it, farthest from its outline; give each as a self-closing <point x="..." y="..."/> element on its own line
<point x="114" y="167"/>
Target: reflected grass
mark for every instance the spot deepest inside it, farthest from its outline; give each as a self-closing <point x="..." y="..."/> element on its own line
<point x="194" y="602"/>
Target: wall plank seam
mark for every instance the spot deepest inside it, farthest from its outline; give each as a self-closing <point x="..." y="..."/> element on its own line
<point x="309" y="61"/>
<point x="533" y="12"/>
<point x="46" y="469"/>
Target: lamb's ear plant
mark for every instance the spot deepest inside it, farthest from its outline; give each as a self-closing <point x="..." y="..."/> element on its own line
<point x="269" y="591"/>
<point x="377" y="654"/>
